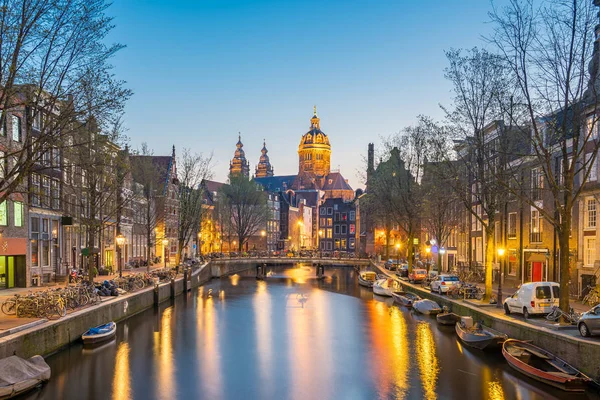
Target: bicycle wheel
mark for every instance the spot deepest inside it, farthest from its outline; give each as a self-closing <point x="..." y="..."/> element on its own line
<point x="553" y="315"/>
<point x="9" y="307"/>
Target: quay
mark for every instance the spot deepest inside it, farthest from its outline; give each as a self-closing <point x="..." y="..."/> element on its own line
<point x="583" y="353"/>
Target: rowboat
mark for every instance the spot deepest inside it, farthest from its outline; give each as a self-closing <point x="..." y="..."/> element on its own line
<point x="100" y="333"/>
<point x="480" y="337"/>
<point x="447" y="318"/>
<point x="385" y="287"/>
<point x="367" y="278"/>
<point x="427" y="307"/>
<point x="544" y="366"/>
<point x="18" y="375"/>
<point x="405" y="298"/>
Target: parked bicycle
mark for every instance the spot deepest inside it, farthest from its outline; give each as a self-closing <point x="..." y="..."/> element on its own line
<point x="592" y="297"/>
<point x="572" y="317"/>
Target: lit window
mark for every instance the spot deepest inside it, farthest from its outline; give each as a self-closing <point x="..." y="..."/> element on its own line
<point x="16" y="128"/>
<point x="18" y="206"/>
<point x="3" y="214"/>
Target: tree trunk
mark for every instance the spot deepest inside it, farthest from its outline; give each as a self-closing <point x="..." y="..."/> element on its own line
<point x="179" y="251"/>
<point x="563" y="239"/>
<point x="410" y="252"/>
<point x="489" y="258"/>
<point x="387" y="244"/>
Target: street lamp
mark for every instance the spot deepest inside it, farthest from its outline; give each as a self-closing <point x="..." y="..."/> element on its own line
<point x="319" y="244"/>
<point x="442" y="252"/>
<point x="165" y="242"/>
<point x="120" y="242"/>
<point x="263" y="233"/>
<point x="501" y="252"/>
<point x="427" y="251"/>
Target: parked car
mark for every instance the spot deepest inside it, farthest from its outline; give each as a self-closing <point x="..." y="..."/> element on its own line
<point x="443" y="283"/>
<point x="391" y="264"/>
<point x="402" y="271"/>
<point x="533" y="298"/>
<point x="417" y="275"/>
<point x="589" y="323"/>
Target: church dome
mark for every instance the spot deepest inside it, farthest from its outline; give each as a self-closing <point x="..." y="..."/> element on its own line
<point x="314" y="135"/>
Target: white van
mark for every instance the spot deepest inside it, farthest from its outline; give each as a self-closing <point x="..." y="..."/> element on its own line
<point x="533" y="298"/>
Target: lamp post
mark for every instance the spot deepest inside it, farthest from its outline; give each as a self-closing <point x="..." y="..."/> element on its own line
<point x="501" y="252"/>
<point x="442" y="252"/>
<point x="427" y="251"/>
<point x="263" y="233"/>
<point x="165" y="242"/>
<point x="120" y="242"/>
<point x="319" y="244"/>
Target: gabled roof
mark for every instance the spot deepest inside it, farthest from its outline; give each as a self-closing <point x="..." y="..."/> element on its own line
<point x="212" y="186"/>
<point x="337" y="182"/>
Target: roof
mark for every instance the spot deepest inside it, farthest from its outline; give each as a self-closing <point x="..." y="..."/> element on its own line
<point x="337" y="182"/>
<point x="212" y="186"/>
<point x="276" y="183"/>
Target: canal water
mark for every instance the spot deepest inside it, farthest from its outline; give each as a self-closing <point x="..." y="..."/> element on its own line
<point x="287" y="337"/>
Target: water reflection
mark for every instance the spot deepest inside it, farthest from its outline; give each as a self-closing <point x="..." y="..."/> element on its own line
<point x="122" y="378"/>
<point x="209" y="356"/>
<point x="427" y="359"/>
<point x="163" y="354"/>
<point x="262" y="311"/>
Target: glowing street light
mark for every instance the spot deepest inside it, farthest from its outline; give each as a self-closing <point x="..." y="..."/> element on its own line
<point x="120" y="242"/>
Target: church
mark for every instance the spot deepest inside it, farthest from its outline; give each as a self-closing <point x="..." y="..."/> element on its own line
<point x="314" y="167"/>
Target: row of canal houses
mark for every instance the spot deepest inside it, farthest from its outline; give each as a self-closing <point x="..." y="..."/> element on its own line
<point x="67" y="207"/>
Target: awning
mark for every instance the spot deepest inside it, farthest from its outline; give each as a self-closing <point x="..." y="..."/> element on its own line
<point x="536" y="257"/>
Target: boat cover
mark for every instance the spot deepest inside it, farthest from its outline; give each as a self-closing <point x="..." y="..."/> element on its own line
<point x="100" y="329"/>
<point x="15" y="369"/>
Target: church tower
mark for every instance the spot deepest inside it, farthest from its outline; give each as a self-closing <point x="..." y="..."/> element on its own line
<point x="314" y="155"/>
<point x="239" y="164"/>
<point x="264" y="167"/>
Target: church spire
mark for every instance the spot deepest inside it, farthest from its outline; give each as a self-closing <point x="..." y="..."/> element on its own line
<point x="315" y="121"/>
<point x="264" y="167"/>
<point x="239" y="164"/>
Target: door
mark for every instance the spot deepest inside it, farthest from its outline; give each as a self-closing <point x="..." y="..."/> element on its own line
<point x="20" y="271"/>
<point x="536" y="271"/>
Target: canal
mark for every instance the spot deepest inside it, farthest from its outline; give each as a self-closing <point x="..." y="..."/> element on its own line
<point x="288" y="337"/>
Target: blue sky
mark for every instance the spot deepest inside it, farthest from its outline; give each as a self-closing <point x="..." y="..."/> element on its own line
<point x="204" y="70"/>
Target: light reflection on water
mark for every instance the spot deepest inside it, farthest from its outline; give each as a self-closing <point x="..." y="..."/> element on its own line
<point x="288" y="337"/>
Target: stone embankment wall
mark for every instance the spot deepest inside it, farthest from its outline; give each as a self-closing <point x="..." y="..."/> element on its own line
<point x="51" y="336"/>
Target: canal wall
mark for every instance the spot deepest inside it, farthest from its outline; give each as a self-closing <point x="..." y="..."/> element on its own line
<point x="582" y="353"/>
<point x="51" y="336"/>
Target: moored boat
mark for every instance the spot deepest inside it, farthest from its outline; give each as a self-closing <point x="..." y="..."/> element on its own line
<point x="447" y="318"/>
<point x="385" y="287"/>
<point x="367" y="278"/>
<point x="100" y="333"/>
<point x="18" y="375"/>
<point x="405" y="298"/>
<point x="427" y="307"/>
<point x="479" y="336"/>
<point x="544" y="366"/>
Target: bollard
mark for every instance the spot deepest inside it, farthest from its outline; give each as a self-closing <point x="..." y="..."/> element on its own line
<point x="172" y="288"/>
<point x="156" y="296"/>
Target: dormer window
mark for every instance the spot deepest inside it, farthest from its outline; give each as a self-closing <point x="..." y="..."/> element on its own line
<point x="330" y="181"/>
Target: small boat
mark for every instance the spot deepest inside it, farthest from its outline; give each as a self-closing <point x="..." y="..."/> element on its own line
<point x="480" y="337"/>
<point x="405" y="298"/>
<point x="544" y="366"/>
<point x="367" y="278"/>
<point x="447" y="318"/>
<point x="19" y="375"/>
<point x="100" y="333"/>
<point x="427" y="307"/>
<point x="385" y="287"/>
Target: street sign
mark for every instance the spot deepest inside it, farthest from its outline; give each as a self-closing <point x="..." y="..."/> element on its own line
<point x="194" y="246"/>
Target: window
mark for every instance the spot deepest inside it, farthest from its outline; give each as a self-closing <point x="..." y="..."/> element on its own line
<point x="329" y="233"/>
<point x="18" y="213"/>
<point x="344" y="217"/>
<point x="329" y="221"/>
<point x="512" y="225"/>
<point x="337" y="244"/>
<point x="542" y="292"/>
<point x="590" y="251"/>
<point x="336" y="229"/>
<point x="352" y="215"/>
<point x="591" y="128"/>
<point x="536" y="227"/>
<point x="344" y="229"/>
<point x="590" y="209"/>
<point x="322" y="221"/>
<point x="329" y="245"/>
<point x="351" y="243"/>
<point x="593" y="175"/>
<point x="329" y="211"/>
<point x="3" y="123"/>
<point x="322" y="210"/>
<point x="3" y="213"/>
<point x="343" y="244"/>
<point x="46" y="191"/>
<point x="36" y="124"/>
<point x="2" y="164"/>
<point x="55" y="194"/>
<point x="337" y="216"/>
<point x="537" y="183"/>
<point x="16" y="128"/>
<point x="352" y="229"/>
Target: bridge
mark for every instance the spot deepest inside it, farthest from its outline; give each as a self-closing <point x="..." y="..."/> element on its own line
<point x="227" y="266"/>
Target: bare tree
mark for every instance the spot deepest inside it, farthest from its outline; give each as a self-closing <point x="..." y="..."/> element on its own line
<point x="192" y="170"/>
<point x="246" y="203"/>
<point x="548" y="48"/>
<point x="53" y="55"/>
<point x="479" y="80"/>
